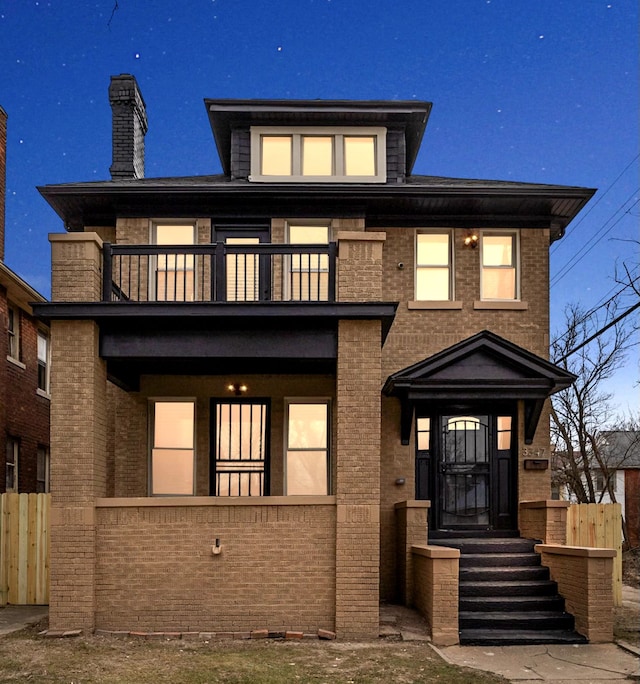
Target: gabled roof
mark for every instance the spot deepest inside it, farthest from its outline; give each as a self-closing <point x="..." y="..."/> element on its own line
<point x="482" y="367"/>
<point x="623" y="448"/>
<point x="224" y="115"/>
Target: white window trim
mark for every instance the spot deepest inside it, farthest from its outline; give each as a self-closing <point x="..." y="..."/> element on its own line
<point x="516" y="249"/>
<point x="338" y="133"/>
<point x="433" y="303"/>
<point x="45" y="391"/>
<point x="15" y="333"/>
<point x="15" y="464"/>
<point x="152" y="401"/>
<point x="285" y="445"/>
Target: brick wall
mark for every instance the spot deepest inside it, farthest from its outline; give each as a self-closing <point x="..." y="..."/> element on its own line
<point x="24" y="414"/>
<point x="156" y="570"/>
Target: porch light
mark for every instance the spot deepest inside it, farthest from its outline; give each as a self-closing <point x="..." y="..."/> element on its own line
<point x="237" y="388"/>
<point x="471" y="240"/>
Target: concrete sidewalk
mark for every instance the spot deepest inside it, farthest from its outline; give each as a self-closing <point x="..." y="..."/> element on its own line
<point x="15" y="618"/>
<point x="586" y="664"/>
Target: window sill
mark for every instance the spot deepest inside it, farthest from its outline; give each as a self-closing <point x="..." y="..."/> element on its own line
<point x="504" y="306"/>
<point x="15" y="362"/>
<point x="432" y="304"/>
<point x="42" y="393"/>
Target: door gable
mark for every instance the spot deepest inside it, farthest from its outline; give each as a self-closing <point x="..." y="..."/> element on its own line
<point x="482" y="367"/>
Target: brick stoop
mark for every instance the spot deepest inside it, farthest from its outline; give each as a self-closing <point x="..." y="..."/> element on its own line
<point x="506" y="596"/>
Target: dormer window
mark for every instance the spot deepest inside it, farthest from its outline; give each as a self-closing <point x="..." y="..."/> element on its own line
<point x="320" y="155"/>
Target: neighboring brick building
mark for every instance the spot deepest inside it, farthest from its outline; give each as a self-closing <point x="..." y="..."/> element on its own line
<point x="24" y="372"/>
<point x="261" y="379"/>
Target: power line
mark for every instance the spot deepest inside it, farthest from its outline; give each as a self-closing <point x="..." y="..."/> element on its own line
<point x="599" y="332"/>
<point x="594" y="205"/>
<point x="590" y="244"/>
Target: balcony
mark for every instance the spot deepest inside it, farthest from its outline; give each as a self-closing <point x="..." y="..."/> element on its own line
<point x="219" y="272"/>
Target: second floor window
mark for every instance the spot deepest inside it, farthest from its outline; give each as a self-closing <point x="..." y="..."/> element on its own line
<point x="308" y="274"/>
<point x="499" y="277"/>
<point x="13" y="329"/>
<point x="433" y="267"/>
<point x="347" y="154"/>
<point x="43" y="362"/>
<point x="174" y="273"/>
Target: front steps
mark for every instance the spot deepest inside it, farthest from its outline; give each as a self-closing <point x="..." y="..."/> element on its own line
<point x="506" y="596"/>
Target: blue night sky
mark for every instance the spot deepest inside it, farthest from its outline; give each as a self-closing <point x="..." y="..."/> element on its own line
<point x="541" y="91"/>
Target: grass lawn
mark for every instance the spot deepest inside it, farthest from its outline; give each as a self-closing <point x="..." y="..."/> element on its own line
<point x="26" y="657"/>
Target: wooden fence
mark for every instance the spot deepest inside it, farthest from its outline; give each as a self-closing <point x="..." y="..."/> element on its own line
<point x="598" y="526"/>
<point x="24" y="549"/>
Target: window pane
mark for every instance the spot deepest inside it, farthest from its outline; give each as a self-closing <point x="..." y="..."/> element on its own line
<point x="306" y="473"/>
<point x="173" y="425"/>
<point x="499" y="283"/>
<point x="317" y="156"/>
<point x="308" y="235"/>
<point x="497" y="250"/>
<point x="432" y="284"/>
<point x="276" y="155"/>
<point x="424" y="433"/>
<point x="504" y="432"/>
<point x="307" y="426"/>
<point x="359" y="156"/>
<point x="174" y="234"/>
<point x="42" y="348"/>
<point x="243" y="273"/>
<point x="433" y="249"/>
<point x="172" y="471"/>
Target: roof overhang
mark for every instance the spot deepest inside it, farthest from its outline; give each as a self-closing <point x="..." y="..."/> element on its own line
<point x="482" y="368"/>
<point x="18" y="290"/>
<point x="225" y="115"/>
<point x="425" y="202"/>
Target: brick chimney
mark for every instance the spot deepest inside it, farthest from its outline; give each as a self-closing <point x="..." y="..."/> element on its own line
<point x="3" y="176"/>
<point x="129" y="117"/>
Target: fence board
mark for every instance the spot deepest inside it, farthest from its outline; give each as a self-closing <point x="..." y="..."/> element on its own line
<point x="24" y="549"/>
<point x="598" y="526"/>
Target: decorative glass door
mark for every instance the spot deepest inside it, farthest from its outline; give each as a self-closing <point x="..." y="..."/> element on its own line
<point x="465" y="471"/>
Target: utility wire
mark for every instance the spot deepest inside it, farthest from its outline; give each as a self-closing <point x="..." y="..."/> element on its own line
<point x="594" y="205"/>
<point x="587" y="247"/>
<point x="598" y="332"/>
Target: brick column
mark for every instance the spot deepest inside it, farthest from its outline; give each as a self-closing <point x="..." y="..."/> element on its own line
<point x="358" y="480"/>
<point x="78" y="435"/>
<point x="544" y="520"/>
<point x="412" y="522"/>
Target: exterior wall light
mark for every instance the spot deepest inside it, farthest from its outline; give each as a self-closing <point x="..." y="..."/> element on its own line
<point x="237" y="388"/>
<point x="471" y="240"/>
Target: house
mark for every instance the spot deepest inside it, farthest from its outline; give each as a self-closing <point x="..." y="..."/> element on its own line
<point x="271" y="387"/>
<point x="24" y="371"/>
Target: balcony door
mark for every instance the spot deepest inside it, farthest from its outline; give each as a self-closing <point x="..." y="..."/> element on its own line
<point x="247" y="275"/>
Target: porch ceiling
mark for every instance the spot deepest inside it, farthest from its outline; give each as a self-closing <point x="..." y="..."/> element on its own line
<point x="484" y="367"/>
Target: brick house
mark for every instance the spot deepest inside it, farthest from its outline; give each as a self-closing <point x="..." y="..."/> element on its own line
<point x="24" y="371"/>
<point x="273" y="386"/>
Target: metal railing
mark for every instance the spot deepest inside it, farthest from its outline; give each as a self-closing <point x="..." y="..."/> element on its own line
<point x="219" y="272"/>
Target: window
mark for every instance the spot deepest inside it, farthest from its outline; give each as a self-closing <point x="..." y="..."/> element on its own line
<point x="348" y="154"/>
<point x="174" y="271"/>
<point x="172" y="447"/>
<point x="14" y="332"/>
<point x="42" y="470"/>
<point x="307" y="450"/>
<point x="499" y="266"/>
<point x="11" y="467"/>
<point x="243" y="272"/>
<point x="308" y="274"/>
<point x="433" y="267"/>
<point x="43" y="362"/>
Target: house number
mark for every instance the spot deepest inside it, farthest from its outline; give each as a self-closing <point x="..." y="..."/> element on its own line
<point x="534" y="453"/>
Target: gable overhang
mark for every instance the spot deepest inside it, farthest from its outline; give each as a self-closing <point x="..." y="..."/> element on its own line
<point x="482" y="368"/>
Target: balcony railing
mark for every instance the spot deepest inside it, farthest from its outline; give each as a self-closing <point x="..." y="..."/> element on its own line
<point x="219" y="272"/>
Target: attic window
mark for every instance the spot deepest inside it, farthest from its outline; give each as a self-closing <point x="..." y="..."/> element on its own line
<point x="321" y="155"/>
